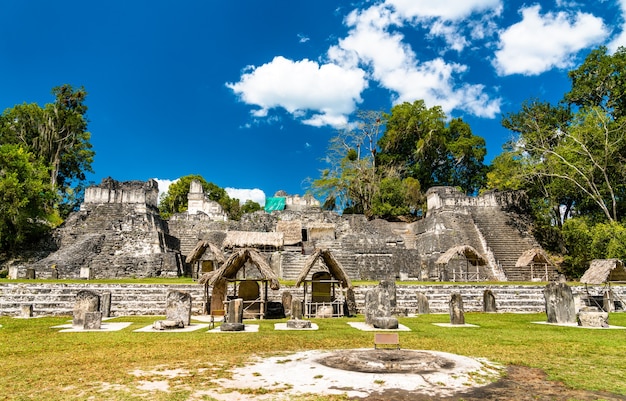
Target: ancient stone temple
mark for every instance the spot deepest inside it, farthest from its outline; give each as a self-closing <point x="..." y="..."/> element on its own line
<point x="118" y="233"/>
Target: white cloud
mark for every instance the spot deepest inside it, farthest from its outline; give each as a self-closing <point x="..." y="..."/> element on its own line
<point x="302" y="86"/>
<point x="447" y="10"/>
<point x="164" y="185"/>
<point x="395" y="66"/>
<point x="541" y="42"/>
<point x="243" y="195"/>
<point x="620" y="39"/>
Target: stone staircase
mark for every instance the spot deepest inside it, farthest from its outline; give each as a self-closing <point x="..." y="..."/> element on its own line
<point x="506" y="241"/>
<point x="133" y="299"/>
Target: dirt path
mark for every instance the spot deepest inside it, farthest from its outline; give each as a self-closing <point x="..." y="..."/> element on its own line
<point x="520" y="384"/>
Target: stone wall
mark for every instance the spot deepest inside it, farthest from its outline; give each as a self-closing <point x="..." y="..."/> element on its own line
<point x="129" y="299"/>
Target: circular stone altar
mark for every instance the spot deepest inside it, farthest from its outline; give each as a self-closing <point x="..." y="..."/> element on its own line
<point x="359" y="373"/>
<point x="387" y="361"/>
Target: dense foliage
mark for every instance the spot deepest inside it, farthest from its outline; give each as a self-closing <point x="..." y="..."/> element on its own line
<point x="175" y="199"/>
<point x="45" y="155"/>
<point x="571" y="159"/>
<point x="385" y="177"/>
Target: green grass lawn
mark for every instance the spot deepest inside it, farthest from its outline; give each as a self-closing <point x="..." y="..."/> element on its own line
<point x="37" y="362"/>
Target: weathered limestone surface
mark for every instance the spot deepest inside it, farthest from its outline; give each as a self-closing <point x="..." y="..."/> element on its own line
<point x="93" y="320"/>
<point x="296" y="321"/>
<point x="592" y="317"/>
<point x="378" y="309"/>
<point x="457" y="312"/>
<point x="560" y="305"/>
<point x="86" y="301"/>
<point x="178" y="307"/>
<point x="234" y="316"/>
<point x="489" y="302"/>
<point x="423" y="307"/>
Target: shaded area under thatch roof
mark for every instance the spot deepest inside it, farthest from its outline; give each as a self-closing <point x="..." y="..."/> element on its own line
<point x="235" y="262"/>
<point x="465" y="251"/>
<point x="604" y="270"/>
<point x="250" y="239"/>
<point x="200" y="249"/>
<point x="334" y="268"/>
<point x="531" y="256"/>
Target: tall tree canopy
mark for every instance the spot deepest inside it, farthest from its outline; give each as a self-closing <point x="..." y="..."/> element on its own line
<point x="56" y="134"/>
<point x="418" y="143"/>
<point x="384" y="177"/>
<point x="175" y="199"/>
<point x="571" y="159"/>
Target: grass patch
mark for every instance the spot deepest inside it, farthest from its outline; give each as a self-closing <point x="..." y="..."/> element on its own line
<point x="40" y="363"/>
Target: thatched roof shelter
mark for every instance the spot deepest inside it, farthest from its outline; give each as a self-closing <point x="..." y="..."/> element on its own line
<point x="604" y="270"/>
<point x="533" y="256"/>
<point x="321" y="231"/>
<point x="235" y="262"/>
<point x="251" y="239"/>
<point x="198" y="252"/>
<point x="466" y="251"/>
<point x="292" y="231"/>
<point x="334" y="268"/>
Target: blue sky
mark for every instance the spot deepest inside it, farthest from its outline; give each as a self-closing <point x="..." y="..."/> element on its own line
<point x="248" y="93"/>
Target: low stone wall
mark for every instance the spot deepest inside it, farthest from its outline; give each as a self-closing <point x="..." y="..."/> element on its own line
<point x="132" y="299"/>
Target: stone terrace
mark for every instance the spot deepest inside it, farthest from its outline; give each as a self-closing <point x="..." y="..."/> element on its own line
<point x="134" y="299"/>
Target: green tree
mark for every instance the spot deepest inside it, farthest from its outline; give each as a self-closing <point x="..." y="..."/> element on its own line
<point x="418" y="143"/>
<point x="25" y="197"/>
<point x="57" y="135"/>
<point x="175" y="199"/>
<point x="600" y="82"/>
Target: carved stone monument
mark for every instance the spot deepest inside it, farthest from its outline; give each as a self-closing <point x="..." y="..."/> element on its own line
<point x="423" y="307"/>
<point x="489" y="302"/>
<point x="287" y="300"/>
<point x="93" y="321"/>
<point x="26" y="311"/>
<point x="350" y="306"/>
<point x="457" y="313"/>
<point x="105" y="304"/>
<point x="86" y="301"/>
<point x="296" y="321"/>
<point x="234" y="316"/>
<point x="560" y="306"/>
<point x="378" y="309"/>
<point x="592" y="317"/>
<point x="178" y="307"/>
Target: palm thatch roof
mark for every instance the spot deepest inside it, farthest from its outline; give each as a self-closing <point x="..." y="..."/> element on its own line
<point x="250" y="239"/>
<point x="465" y="251"/>
<point x="292" y="231"/>
<point x="200" y="249"/>
<point x="604" y="270"/>
<point x="235" y="262"/>
<point x="534" y="255"/>
<point x="334" y="268"/>
<point x="319" y="231"/>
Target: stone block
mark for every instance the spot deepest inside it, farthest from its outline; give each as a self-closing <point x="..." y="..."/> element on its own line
<point x="105" y="304"/>
<point x="385" y="322"/>
<point x="86" y="301"/>
<point x="168" y="324"/>
<point x="93" y="321"/>
<point x="298" y="324"/>
<point x="422" y="304"/>
<point x="324" y="312"/>
<point x="592" y="318"/>
<point x="560" y="306"/>
<point x="178" y="306"/>
<point x="489" y="302"/>
<point x="26" y="311"/>
<point x="457" y="313"/>
<point x="13" y="272"/>
<point x="86" y="273"/>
